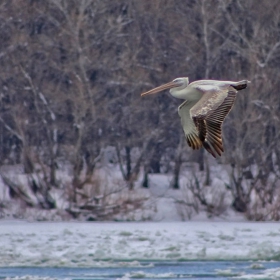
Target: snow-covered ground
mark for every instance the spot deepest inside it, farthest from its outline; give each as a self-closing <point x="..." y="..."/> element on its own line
<point x="74" y="244"/>
<point x="159" y="202"/>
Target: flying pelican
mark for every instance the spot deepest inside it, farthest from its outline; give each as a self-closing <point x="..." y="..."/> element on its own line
<point x="207" y="103"/>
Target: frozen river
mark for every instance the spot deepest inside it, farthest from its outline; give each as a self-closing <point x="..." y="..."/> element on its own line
<point x="191" y="250"/>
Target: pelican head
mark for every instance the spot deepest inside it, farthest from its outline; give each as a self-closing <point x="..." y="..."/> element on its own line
<point x="176" y="84"/>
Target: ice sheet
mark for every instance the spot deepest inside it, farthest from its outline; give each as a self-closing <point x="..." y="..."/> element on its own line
<point x="102" y="244"/>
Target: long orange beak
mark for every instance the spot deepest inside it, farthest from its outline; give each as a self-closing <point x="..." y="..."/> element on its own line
<point x="160" y="88"/>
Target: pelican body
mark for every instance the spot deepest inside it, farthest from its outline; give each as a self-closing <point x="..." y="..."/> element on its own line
<point x="207" y="103"/>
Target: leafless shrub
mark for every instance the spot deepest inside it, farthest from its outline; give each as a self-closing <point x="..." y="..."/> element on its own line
<point x="271" y="211"/>
<point x="104" y="198"/>
<point x="197" y="197"/>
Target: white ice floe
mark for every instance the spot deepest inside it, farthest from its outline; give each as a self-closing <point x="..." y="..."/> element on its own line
<point x="268" y="274"/>
<point x="29" y="277"/>
<point x="143" y="274"/>
<point x="103" y="244"/>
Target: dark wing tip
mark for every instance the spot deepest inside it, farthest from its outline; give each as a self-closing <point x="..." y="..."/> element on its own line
<point x="241" y="85"/>
<point x="193" y="141"/>
<point x="208" y="148"/>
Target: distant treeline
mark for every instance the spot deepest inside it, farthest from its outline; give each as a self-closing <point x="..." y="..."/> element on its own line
<point x="71" y="75"/>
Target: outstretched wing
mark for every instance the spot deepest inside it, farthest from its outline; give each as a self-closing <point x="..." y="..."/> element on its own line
<point x="208" y="115"/>
<point x="190" y="130"/>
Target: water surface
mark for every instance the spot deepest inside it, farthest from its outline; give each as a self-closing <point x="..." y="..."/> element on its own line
<point x="208" y="270"/>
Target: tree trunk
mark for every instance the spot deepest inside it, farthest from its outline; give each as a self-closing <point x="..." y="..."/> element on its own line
<point x="177" y="168"/>
<point x="178" y="163"/>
